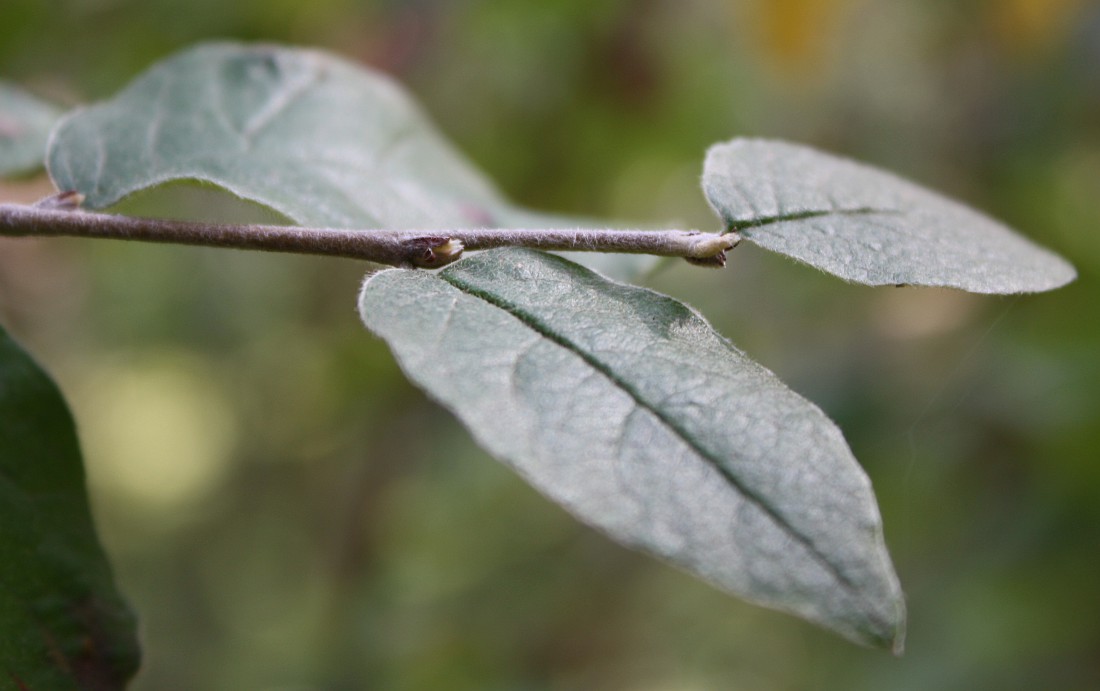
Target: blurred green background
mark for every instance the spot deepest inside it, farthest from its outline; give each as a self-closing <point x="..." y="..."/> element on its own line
<point x="286" y="512"/>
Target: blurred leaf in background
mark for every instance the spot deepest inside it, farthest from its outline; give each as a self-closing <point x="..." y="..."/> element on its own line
<point x="25" y="124"/>
<point x="326" y="540"/>
<point x="63" y="624"/>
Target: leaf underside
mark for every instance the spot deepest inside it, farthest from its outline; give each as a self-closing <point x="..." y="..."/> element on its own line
<point x="63" y="625"/>
<point x="25" y="124"/>
<point x="627" y="408"/>
<point x="866" y="225"/>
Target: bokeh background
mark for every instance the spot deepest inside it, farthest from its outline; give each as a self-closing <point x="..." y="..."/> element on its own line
<point x="286" y="512"/>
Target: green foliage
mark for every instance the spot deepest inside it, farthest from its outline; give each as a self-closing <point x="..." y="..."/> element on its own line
<point x="25" y="124"/>
<point x="628" y="409"/>
<point x="551" y="366"/>
<point x="62" y="623"/>
<point x="868" y="226"/>
<point x="321" y="141"/>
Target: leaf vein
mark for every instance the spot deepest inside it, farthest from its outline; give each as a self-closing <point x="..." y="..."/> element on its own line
<point x="535" y="324"/>
<point x="760" y="221"/>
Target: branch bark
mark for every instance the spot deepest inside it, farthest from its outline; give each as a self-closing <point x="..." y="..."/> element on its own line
<point x="425" y="249"/>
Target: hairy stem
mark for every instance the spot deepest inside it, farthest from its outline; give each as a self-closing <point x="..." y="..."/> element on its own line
<point x="426" y="249"/>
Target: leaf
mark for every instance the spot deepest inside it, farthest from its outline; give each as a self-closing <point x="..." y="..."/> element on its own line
<point x="63" y="625"/>
<point x="25" y="123"/>
<point x="627" y="408"/>
<point x="866" y="225"/>
<point x="320" y="140"/>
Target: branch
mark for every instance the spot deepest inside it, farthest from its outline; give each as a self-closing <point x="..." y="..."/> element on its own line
<point x="58" y="215"/>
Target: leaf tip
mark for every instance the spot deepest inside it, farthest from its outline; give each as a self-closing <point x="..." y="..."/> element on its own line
<point x="898" y="647"/>
<point x="891" y="634"/>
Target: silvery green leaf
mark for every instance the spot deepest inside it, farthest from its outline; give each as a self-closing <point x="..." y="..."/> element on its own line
<point x="866" y="225"/>
<point x="25" y="123"/>
<point x="322" y="141"/>
<point x="627" y="408"/>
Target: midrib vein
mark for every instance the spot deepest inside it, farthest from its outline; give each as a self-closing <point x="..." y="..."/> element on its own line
<point x="534" y="323"/>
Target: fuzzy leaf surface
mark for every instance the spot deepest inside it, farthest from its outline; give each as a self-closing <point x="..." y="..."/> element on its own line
<point x="866" y="225"/>
<point x="627" y="408"/>
<point x="63" y="624"/>
<point x="320" y="140"/>
<point x="25" y="124"/>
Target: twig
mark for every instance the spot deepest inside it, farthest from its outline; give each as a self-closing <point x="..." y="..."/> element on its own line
<point x="59" y="215"/>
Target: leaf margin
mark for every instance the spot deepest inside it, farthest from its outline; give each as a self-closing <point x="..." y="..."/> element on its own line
<point x="429" y="381"/>
<point x="821" y="210"/>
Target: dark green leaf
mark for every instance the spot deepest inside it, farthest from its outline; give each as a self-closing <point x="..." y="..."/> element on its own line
<point x="627" y="408"/>
<point x="866" y="225"/>
<point x="25" y="124"/>
<point x="62" y="623"/>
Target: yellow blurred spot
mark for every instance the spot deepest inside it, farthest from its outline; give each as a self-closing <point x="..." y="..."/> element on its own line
<point x="916" y="313"/>
<point x="1029" y="26"/>
<point x="794" y="35"/>
<point x="157" y="432"/>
